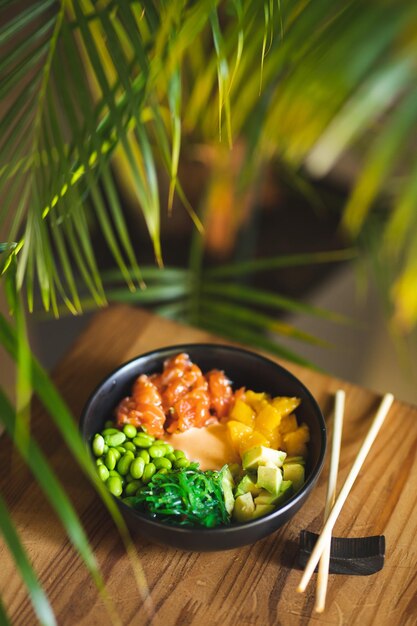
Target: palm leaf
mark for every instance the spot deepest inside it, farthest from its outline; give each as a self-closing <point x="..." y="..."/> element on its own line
<point x="64" y="421"/>
<point x="125" y="57"/>
<point x="249" y="337"/>
<point x="3" y="616"/>
<point x="291" y="260"/>
<point x="53" y="490"/>
<point x="228" y="311"/>
<point x="38" y="598"/>
<point x="263" y="298"/>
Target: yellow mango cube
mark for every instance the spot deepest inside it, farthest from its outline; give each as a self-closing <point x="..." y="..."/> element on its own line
<point x="267" y="418"/>
<point x="242" y="412"/>
<point x="274" y="438"/>
<point x="285" y="405"/>
<point x="288" y="424"/>
<point x="295" y="442"/>
<point x="237" y="431"/>
<point x="256" y="400"/>
<point x="251" y="441"/>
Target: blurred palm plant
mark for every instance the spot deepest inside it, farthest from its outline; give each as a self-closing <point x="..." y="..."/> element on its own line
<point x="96" y="96"/>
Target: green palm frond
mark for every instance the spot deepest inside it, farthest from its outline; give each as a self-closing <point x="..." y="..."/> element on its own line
<point x="91" y="88"/>
<point x="38" y="598"/>
<point x="209" y="297"/>
<point x="52" y="489"/>
<point x="61" y="415"/>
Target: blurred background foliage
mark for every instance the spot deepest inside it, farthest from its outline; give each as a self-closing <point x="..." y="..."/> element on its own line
<point x="163" y="108"/>
<point x="156" y="153"/>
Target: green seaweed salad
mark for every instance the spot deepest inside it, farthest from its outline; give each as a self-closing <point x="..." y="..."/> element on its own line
<point x="185" y="497"/>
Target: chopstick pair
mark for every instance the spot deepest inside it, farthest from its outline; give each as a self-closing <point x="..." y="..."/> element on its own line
<point x="321" y="550"/>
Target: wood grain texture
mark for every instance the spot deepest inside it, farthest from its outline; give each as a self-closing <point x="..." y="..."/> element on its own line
<point x="250" y="586"/>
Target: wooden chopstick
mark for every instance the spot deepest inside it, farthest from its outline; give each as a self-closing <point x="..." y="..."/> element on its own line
<point x="323" y="574"/>
<point x="380" y="416"/>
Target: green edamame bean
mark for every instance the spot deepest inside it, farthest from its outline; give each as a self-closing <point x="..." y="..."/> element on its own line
<point x="130" y="431"/>
<point x="162" y="463"/>
<point x="124" y="463"/>
<point x="163" y="445"/>
<point x="171" y="457"/>
<point x="142" y="440"/>
<point x="179" y="454"/>
<point x="98" y="445"/>
<point x="159" y="442"/>
<point x="120" y="449"/>
<point x="144" y="454"/>
<point x="103" y="472"/>
<point x="163" y="470"/>
<point x="115" y="439"/>
<point x="132" y="487"/>
<point x="110" y="460"/>
<point x="99" y="462"/>
<point x="130" y="446"/>
<point x="169" y="448"/>
<point x="116" y="473"/>
<point x="148" y="472"/>
<point x="110" y="431"/>
<point x="181" y="463"/>
<point x="117" y="453"/>
<point x="156" y="452"/>
<point x="136" y="468"/>
<point x="114" y="485"/>
<point x="106" y="448"/>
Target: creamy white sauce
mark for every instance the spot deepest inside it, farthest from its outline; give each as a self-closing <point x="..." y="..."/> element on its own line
<point x="209" y="446"/>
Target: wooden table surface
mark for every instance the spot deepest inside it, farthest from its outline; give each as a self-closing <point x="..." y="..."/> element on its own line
<point x="250" y="586"/>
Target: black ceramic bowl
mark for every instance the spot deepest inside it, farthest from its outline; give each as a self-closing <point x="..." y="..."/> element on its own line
<point x="244" y="368"/>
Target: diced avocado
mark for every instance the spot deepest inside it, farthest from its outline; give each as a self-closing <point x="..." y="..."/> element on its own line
<point x="261" y="455"/>
<point x="244" y="508"/>
<point x="269" y="478"/>
<point x="295" y="459"/>
<point x="294" y="472"/>
<point x="247" y="484"/>
<point x="227" y="485"/>
<point x="262" y="509"/>
<point x="235" y="470"/>
<point x="265" y="497"/>
<point x="285" y="492"/>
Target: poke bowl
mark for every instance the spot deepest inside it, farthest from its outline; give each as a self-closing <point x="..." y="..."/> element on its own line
<point x="228" y="452"/>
